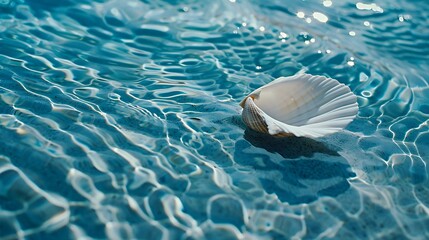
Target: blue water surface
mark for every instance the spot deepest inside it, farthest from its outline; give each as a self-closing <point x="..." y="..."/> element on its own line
<point x="120" y="120"/>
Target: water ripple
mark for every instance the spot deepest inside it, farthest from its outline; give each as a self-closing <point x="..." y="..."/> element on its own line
<point x="121" y="120"/>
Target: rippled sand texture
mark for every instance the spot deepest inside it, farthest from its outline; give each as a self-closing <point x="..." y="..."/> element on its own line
<point x="120" y="119"/>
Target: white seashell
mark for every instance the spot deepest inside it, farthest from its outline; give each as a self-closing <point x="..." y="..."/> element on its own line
<point x="302" y="105"/>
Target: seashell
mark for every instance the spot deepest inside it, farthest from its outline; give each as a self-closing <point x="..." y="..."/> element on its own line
<point x="302" y="105"/>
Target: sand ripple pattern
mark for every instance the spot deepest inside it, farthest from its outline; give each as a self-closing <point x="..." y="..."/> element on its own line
<point x="120" y="119"/>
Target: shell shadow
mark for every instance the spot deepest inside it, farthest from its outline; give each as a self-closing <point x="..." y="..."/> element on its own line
<point x="297" y="170"/>
<point x="288" y="147"/>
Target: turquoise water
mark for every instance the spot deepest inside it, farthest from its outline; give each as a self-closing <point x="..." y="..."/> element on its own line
<point x="120" y="119"/>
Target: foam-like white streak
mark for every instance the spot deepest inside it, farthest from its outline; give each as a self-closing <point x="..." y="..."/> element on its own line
<point x="174" y="210"/>
<point x="115" y="230"/>
<point x="84" y="185"/>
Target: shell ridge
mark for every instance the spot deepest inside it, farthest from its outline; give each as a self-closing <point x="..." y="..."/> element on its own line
<point x="340" y="121"/>
<point x="345" y="91"/>
<point x="328" y="107"/>
<point x="346" y="110"/>
<point x="331" y="106"/>
<point x="338" y="103"/>
<point x="338" y="90"/>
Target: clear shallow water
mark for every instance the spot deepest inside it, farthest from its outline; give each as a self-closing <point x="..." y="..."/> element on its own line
<point x="120" y="119"/>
